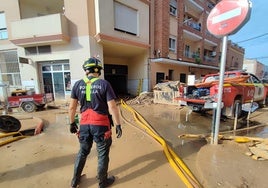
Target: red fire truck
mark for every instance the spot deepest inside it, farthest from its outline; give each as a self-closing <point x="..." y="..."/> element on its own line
<point x="239" y="88"/>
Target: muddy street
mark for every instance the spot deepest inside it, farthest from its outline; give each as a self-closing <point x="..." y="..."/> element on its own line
<point x="170" y="121"/>
<point x="211" y="165"/>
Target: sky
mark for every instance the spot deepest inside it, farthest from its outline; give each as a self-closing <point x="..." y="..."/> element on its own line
<point x="253" y="36"/>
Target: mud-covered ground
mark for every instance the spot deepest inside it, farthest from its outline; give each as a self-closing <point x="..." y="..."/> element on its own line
<point x="222" y="165"/>
<point x="215" y="165"/>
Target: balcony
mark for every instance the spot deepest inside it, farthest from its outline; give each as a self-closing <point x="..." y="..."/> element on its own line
<point x="43" y="30"/>
<point x="192" y="56"/>
<point x="209" y="59"/>
<point x="193" y="8"/>
<point x="194" y="25"/>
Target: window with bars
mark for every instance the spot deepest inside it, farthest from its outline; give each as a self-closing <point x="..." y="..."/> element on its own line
<point x="9" y="68"/>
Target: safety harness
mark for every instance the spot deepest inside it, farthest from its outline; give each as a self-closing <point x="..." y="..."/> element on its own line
<point x="88" y="87"/>
<point x="94" y="117"/>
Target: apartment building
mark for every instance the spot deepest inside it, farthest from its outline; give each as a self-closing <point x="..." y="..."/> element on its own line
<point x="43" y="44"/>
<point x="255" y="67"/>
<point x="183" y="46"/>
<point x="235" y="57"/>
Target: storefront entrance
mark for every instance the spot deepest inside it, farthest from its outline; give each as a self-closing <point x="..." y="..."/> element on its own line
<point x="56" y="78"/>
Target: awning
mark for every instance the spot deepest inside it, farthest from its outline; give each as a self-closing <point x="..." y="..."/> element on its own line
<point x="183" y="63"/>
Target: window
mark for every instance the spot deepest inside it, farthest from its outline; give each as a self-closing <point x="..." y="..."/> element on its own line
<point x="9" y="68"/>
<point x="172" y="44"/>
<point x="173" y="7"/>
<point x="187" y="51"/>
<point x="30" y="50"/>
<point x="44" y="49"/>
<point x="37" y="50"/>
<point x="126" y="19"/>
<point x="3" y="26"/>
<point x="255" y="80"/>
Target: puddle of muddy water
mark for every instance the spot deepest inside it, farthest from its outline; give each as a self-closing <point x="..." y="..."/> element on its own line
<point x="263" y="133"/>
<point x="170" y="122"/>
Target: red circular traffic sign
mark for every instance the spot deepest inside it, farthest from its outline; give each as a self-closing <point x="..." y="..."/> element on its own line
<point x="228" y="16"/>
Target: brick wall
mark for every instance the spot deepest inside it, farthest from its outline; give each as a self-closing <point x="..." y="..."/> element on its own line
<point x="161" y="30"/>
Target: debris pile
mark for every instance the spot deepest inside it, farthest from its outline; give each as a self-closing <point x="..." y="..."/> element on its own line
<point x="258" y="147"/>
<point x="258" y="150"/>
<point x="143" y="98"/>
<point x="167" y="86"/>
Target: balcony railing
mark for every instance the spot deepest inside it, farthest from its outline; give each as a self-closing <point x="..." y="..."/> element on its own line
<point x="209" y="59"/>
<point x="40" y="30"/>
<point x="195" y="56"/>
<point x="194" y="25"/>
<point x="190" y="54"/>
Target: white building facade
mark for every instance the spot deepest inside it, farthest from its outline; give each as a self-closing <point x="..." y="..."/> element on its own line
<point x="43" y="44"/>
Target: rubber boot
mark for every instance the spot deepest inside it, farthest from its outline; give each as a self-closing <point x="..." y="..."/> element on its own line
<point x="106" y="183"/>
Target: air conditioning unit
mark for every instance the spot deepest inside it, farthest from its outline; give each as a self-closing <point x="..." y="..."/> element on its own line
<point x="213" y="54"/>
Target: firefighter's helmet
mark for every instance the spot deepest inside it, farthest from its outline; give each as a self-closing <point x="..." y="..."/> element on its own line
<point x="92" y="65"/>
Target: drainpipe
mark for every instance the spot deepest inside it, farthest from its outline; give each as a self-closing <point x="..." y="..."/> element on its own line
<point x="151" y="40"/>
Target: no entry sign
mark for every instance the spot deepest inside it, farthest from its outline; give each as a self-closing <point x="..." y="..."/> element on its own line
<point x="228" y="16"/>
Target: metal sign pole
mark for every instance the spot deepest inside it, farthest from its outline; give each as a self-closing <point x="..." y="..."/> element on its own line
<point x="220" y="92"/>
<point x="226" y="18"/>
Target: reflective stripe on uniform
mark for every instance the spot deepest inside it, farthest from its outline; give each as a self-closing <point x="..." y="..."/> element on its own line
<point x="88" y="87"/>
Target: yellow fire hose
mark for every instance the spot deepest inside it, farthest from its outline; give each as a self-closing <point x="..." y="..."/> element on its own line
<point x="176" y="163"/>
<point x="14" y="137"/>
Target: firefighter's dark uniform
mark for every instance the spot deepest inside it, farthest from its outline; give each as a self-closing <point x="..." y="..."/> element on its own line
<point x="93" y="94"/>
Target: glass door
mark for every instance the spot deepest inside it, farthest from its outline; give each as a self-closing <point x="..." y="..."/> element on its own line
<point x="58" y="85"/>
<point x="56" y="79"/>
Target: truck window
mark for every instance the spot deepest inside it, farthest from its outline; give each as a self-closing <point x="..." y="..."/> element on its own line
<point x="232" y="75"/>
<point x="255" y="79"/>
<point x="212" y="78"/>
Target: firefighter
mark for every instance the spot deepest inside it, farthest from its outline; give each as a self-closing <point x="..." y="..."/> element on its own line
<point x="98" y="111"/>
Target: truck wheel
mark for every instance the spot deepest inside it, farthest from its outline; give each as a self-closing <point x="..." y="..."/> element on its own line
<point x="28" y="106"/>
<point x="237" y="105"/>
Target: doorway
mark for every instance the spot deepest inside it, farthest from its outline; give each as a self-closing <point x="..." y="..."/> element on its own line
<point x="183" y="78"/>
<point x="160" y="76"/>
<point x="56" y="79"/>
<point x="170" y="74"/>
<point x="117" y="76"/>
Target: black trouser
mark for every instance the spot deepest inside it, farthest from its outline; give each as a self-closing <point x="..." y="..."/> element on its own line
<point x="88" y="133"/>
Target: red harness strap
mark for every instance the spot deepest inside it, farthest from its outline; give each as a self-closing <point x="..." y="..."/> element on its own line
<point x="91" y="117"/>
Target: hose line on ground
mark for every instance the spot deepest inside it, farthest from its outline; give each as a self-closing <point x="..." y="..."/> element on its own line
<point x="176" y="163"/>
<point x="14" y="137"/>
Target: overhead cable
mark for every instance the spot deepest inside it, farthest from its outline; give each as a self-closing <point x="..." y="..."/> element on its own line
<point x="252" y="38"/>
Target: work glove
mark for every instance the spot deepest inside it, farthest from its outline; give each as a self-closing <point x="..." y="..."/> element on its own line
<point x="73" y="128"/>
<point x="118" y="131"/>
